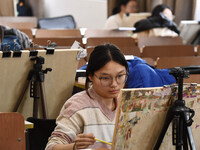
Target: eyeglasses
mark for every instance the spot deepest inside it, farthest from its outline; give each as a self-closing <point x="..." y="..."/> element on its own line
<point x="108" y="80"/>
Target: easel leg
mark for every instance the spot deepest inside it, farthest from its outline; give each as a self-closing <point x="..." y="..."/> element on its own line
<point x="43" y="100"/>
<point x="36" y="100"/>
<point x="164" y="129"/>
<point x="21" y="96"/>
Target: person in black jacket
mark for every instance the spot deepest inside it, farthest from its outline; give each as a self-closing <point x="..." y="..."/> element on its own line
<point x="161" y="17"/>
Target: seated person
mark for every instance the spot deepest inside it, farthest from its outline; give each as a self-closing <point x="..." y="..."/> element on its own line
<point x="142" y="75"/>
<point x="125" y="6"/>
<point x="160" y="23"/>
<point x="91" y="113"/>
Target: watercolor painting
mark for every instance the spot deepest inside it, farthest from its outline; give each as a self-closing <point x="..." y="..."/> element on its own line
<point x="141" y="115"/>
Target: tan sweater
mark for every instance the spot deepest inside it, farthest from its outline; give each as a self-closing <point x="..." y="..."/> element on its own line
<point x="81" y="114"/>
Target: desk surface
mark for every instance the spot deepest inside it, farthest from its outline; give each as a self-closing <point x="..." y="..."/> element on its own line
<point x="97" y="149"/>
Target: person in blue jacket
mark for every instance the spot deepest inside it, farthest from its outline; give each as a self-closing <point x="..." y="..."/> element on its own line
<point x="143" y="75"/>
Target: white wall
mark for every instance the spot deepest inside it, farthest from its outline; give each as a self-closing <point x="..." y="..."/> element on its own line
<point x="87" y="13"/>
<point x="197" y="11"/>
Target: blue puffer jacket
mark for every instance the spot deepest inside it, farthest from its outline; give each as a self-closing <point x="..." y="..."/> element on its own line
<point x="143" y="75"/>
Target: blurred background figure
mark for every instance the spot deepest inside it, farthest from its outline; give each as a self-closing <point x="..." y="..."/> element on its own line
<point x="160" y="23"/>
<point x="23" y="9"/>
<point x="124" y="6"/>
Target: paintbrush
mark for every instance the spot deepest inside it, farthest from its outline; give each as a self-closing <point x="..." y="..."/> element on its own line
<point x="102" y="141"/>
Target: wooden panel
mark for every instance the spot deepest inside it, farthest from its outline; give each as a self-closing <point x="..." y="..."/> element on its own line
<point x="42" y="33"/>
<point x="19" y="25"/>
<point x="105" y="33"/>
<point x="59" y="41"/>
<point x="58" y="83"/>
<point x="28" y="32"/>
<point x="149" y="61"/>
<point x="126" y="44"/>
<point x="198" y="50"/>
<point x="153" y="40"/>
<point x="29" y="22"/>
<point x="12" y="131"/>
<point x="171" y="62"/>
<point x="168" y="51"/>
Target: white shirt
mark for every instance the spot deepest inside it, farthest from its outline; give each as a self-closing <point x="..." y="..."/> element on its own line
<point x="113" y="22"/>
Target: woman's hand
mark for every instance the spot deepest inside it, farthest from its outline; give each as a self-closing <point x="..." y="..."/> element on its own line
<point x="84" y="140"/>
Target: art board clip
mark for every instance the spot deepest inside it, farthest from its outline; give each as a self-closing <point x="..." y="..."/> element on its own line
<point x="6" y="54"/>
<point x="33" y="53"/>
<point x="17" y="53"/>
<point x="49" y="50"/>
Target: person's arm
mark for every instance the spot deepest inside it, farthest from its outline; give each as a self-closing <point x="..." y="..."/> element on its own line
<point x="82" y="141"/>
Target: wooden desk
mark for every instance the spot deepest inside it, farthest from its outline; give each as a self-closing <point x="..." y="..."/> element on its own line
<point x="96" y="149"/>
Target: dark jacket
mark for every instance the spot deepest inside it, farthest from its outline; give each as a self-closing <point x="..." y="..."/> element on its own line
<point x="160" y="21"/>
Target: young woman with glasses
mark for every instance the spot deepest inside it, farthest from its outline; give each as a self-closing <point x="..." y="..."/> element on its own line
<point x="91" y="114"/>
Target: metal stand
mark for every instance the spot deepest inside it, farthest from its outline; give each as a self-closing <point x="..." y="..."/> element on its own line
<point x="36" y="81"/>
<point x="181" y="117"/>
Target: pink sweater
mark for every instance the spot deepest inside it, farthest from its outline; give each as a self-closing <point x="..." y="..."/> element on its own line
<point x="81" y="114"/>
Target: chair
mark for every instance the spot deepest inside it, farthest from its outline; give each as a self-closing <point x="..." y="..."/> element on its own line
<point x="44" y="33"/>
<point x="168" y="51"/>
<point x="126" y="44"/>
<point x="149" y="61"/>
<point x="171" y="62"/>
<point x="105" y="33"/>
<point x="12" y="131"/>
<point x="154" y="40"/>
<point x="38" y="136"/>
<point x="198" y="50"/>
<point x="19" y="22"/>
<point x="28" y="32"/>
<point x="63" y="42"/>
<point x="63" y="22"/>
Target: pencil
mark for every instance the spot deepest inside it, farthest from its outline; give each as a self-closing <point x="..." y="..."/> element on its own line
<point x="103" y="141"/>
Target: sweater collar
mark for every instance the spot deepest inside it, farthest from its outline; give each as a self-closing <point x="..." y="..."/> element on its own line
<point x="104" y="109"/>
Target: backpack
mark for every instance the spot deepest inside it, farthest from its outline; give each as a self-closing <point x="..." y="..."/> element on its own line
<point x="10" y="42"/>
<point x="13" y="39"/>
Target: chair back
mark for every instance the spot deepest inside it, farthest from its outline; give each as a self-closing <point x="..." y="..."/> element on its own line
<point x="28" y="32"/>
<point x="154" y="40"/>
<point x="89" y="33"/>
<point x="126" y="44"/>
<point x="19" y="22"/>
<point x="62" y="33"/>
<point x="12" y="131"/>
<point x="168" y="51"/>
<point x="149" y="61"/>
<point x="38" y="136"/>
<point x="198" y="50"/>
<point x="63" y="22"/>
<point x="63" y="42"/>
<point x="171" y="62"/>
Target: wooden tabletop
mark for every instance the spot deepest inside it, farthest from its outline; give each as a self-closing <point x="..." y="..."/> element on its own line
<point x="96" y="149"/>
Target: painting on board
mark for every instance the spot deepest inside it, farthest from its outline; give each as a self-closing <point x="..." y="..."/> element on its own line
<point x="141" y="115"/>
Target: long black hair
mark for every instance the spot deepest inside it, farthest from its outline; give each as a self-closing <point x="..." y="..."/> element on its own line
<point x="158" y="9"/>
<point x="100" y="56"/>
<point x="120" y="3"/>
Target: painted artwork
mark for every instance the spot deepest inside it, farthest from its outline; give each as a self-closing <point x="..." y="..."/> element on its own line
<point x="141" y="116"/>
